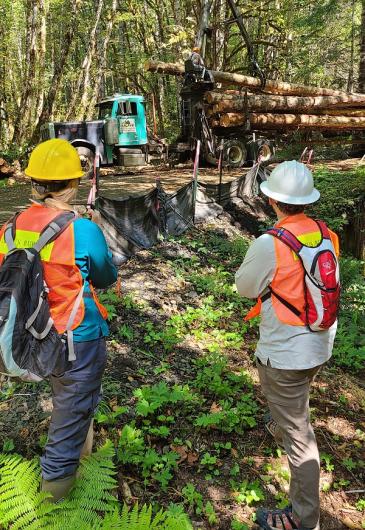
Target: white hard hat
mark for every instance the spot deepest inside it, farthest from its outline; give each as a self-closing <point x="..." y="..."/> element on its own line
<point x="291" y="182"/>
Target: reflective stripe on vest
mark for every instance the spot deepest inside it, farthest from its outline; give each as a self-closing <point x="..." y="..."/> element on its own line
<point x="61" y="273"/>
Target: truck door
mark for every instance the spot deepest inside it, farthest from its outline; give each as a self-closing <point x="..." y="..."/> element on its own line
<point x="132" y="126"/>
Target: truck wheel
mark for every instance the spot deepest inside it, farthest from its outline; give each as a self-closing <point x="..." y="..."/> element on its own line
<point x="87" y="157"/>
<point x="235" y="153"/>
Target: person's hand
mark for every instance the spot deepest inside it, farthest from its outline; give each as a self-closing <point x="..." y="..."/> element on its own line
<point x="95" y="216"/>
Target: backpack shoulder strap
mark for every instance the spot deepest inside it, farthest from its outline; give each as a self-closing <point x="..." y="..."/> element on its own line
<point x="9" y="233"/>
<point x="54" y="229"/>
<point x="323" y="229"/>
<point x="286" y="237"/>
<point x="71" y="320"/>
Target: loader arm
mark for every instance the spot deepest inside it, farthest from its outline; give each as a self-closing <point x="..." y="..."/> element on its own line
<point x="251" y="53"/>
<point x="204" y="32"/>
<point x="201" y="36"/>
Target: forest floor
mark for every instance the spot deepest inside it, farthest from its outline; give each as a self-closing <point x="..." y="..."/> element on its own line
<point x="181" y="397"/>
<point x="182" y="401"/>
<point x="122" y="183"/>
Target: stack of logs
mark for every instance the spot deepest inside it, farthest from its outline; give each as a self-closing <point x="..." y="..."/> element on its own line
<point x="271" y="111"/>
<point x="280" y="106"/>
<point x="6" y="171"/>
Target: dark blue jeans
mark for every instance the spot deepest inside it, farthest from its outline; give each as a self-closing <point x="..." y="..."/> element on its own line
<point x="76" y="394"/>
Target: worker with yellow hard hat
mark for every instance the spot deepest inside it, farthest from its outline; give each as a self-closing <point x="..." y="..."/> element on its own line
<point x="74" y="263"/>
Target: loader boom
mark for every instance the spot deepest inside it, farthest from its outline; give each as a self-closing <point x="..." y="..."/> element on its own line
<point x="256" y="70"/>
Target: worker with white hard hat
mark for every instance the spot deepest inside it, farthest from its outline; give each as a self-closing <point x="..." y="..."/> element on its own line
<point x="293" y="344"/>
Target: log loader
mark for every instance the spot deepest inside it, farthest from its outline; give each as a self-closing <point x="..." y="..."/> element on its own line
<point x="237" y="145"/>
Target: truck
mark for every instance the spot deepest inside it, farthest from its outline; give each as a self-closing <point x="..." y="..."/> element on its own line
<point x="120" y="134"/>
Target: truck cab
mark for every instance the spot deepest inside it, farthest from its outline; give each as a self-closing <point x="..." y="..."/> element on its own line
<point x="119" y="135"/>
<point x="125" y="128"/>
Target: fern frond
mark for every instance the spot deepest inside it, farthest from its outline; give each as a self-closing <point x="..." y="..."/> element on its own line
<point x="21" y="504"/>
<point x="141" y="519"/>
<point x="112" y="521"/>
<point x="91" y="495"/>
<point x="90" y="505"/>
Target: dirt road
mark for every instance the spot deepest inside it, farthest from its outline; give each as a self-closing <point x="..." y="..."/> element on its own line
<point x="118" y="184"/>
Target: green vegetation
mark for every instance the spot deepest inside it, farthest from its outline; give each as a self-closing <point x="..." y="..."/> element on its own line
<point x="349" y="350"/>
<point x="183" y="411"/>
<point x="91" y="504"/>
<point x="341" y="194"/>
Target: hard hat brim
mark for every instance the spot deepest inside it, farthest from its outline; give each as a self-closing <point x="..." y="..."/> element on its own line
<point x="76" y="175"/>
<point x="287" y="199"/>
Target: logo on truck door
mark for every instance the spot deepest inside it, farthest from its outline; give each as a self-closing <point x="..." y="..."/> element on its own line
<point x="127" y="125"/>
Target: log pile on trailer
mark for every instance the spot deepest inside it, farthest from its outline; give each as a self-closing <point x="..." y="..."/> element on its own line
<point x="281" y="106"/>
<point x="6" y="170"/>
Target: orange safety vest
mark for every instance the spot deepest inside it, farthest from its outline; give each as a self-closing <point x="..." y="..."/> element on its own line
<point x="288" y="281"/>
<point x="61" y="274"/>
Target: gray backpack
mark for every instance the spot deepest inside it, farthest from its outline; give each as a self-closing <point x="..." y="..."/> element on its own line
<point x="30" y="347"/>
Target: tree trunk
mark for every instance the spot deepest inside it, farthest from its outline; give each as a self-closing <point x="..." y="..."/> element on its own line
<point x="354" y="113"/>
<point x="82" y="85"/>
<point x="99" y="89"/>
<point x="49" y="99"/>
<point x="350" y="77"/>
<point x="290" y="121"/>
<point x="42" y="38"/>
<point x="26" y="99"/>
<point x="274" y="87"/>
<point x="362" y="51"/>
<point x="86" y="67"/>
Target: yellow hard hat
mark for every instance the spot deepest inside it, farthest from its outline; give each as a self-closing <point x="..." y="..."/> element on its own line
<point x="54" y="159"/>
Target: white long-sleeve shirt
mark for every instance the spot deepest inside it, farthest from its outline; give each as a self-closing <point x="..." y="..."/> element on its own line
<point x="286" y="347"/>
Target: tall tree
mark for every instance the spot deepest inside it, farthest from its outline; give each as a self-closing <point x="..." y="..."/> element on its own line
<point x="362" y="50"/>
<point x="48" y="100"/>
<point x="79" y="100"/>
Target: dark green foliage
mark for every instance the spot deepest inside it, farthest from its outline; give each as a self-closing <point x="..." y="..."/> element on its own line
<point x="340" y="196"/>
<point x="235" y="409"/>
<point x="349" y="348"/>
<point x="90" y="505"/>
<point x="152" y="398"/>
<point x="133" y="450"/>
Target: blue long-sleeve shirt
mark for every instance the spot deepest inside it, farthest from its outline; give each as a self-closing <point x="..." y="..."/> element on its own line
<point x="95" y="263"/>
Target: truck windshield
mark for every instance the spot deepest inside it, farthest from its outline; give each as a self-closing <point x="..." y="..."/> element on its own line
<point x="127" y="108"/>
<point x="105" y="110"/>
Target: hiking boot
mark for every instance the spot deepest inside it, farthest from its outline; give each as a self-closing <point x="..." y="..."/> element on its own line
<point x="58" y="488"/>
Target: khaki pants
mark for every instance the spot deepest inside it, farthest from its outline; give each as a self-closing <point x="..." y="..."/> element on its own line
<point x="287" y="393"/>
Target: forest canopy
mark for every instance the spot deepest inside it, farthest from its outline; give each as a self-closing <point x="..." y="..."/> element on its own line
<point x="59" y="57"/>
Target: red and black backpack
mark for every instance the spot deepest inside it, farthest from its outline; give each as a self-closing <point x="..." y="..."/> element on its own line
<point x="321" y="278"/>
